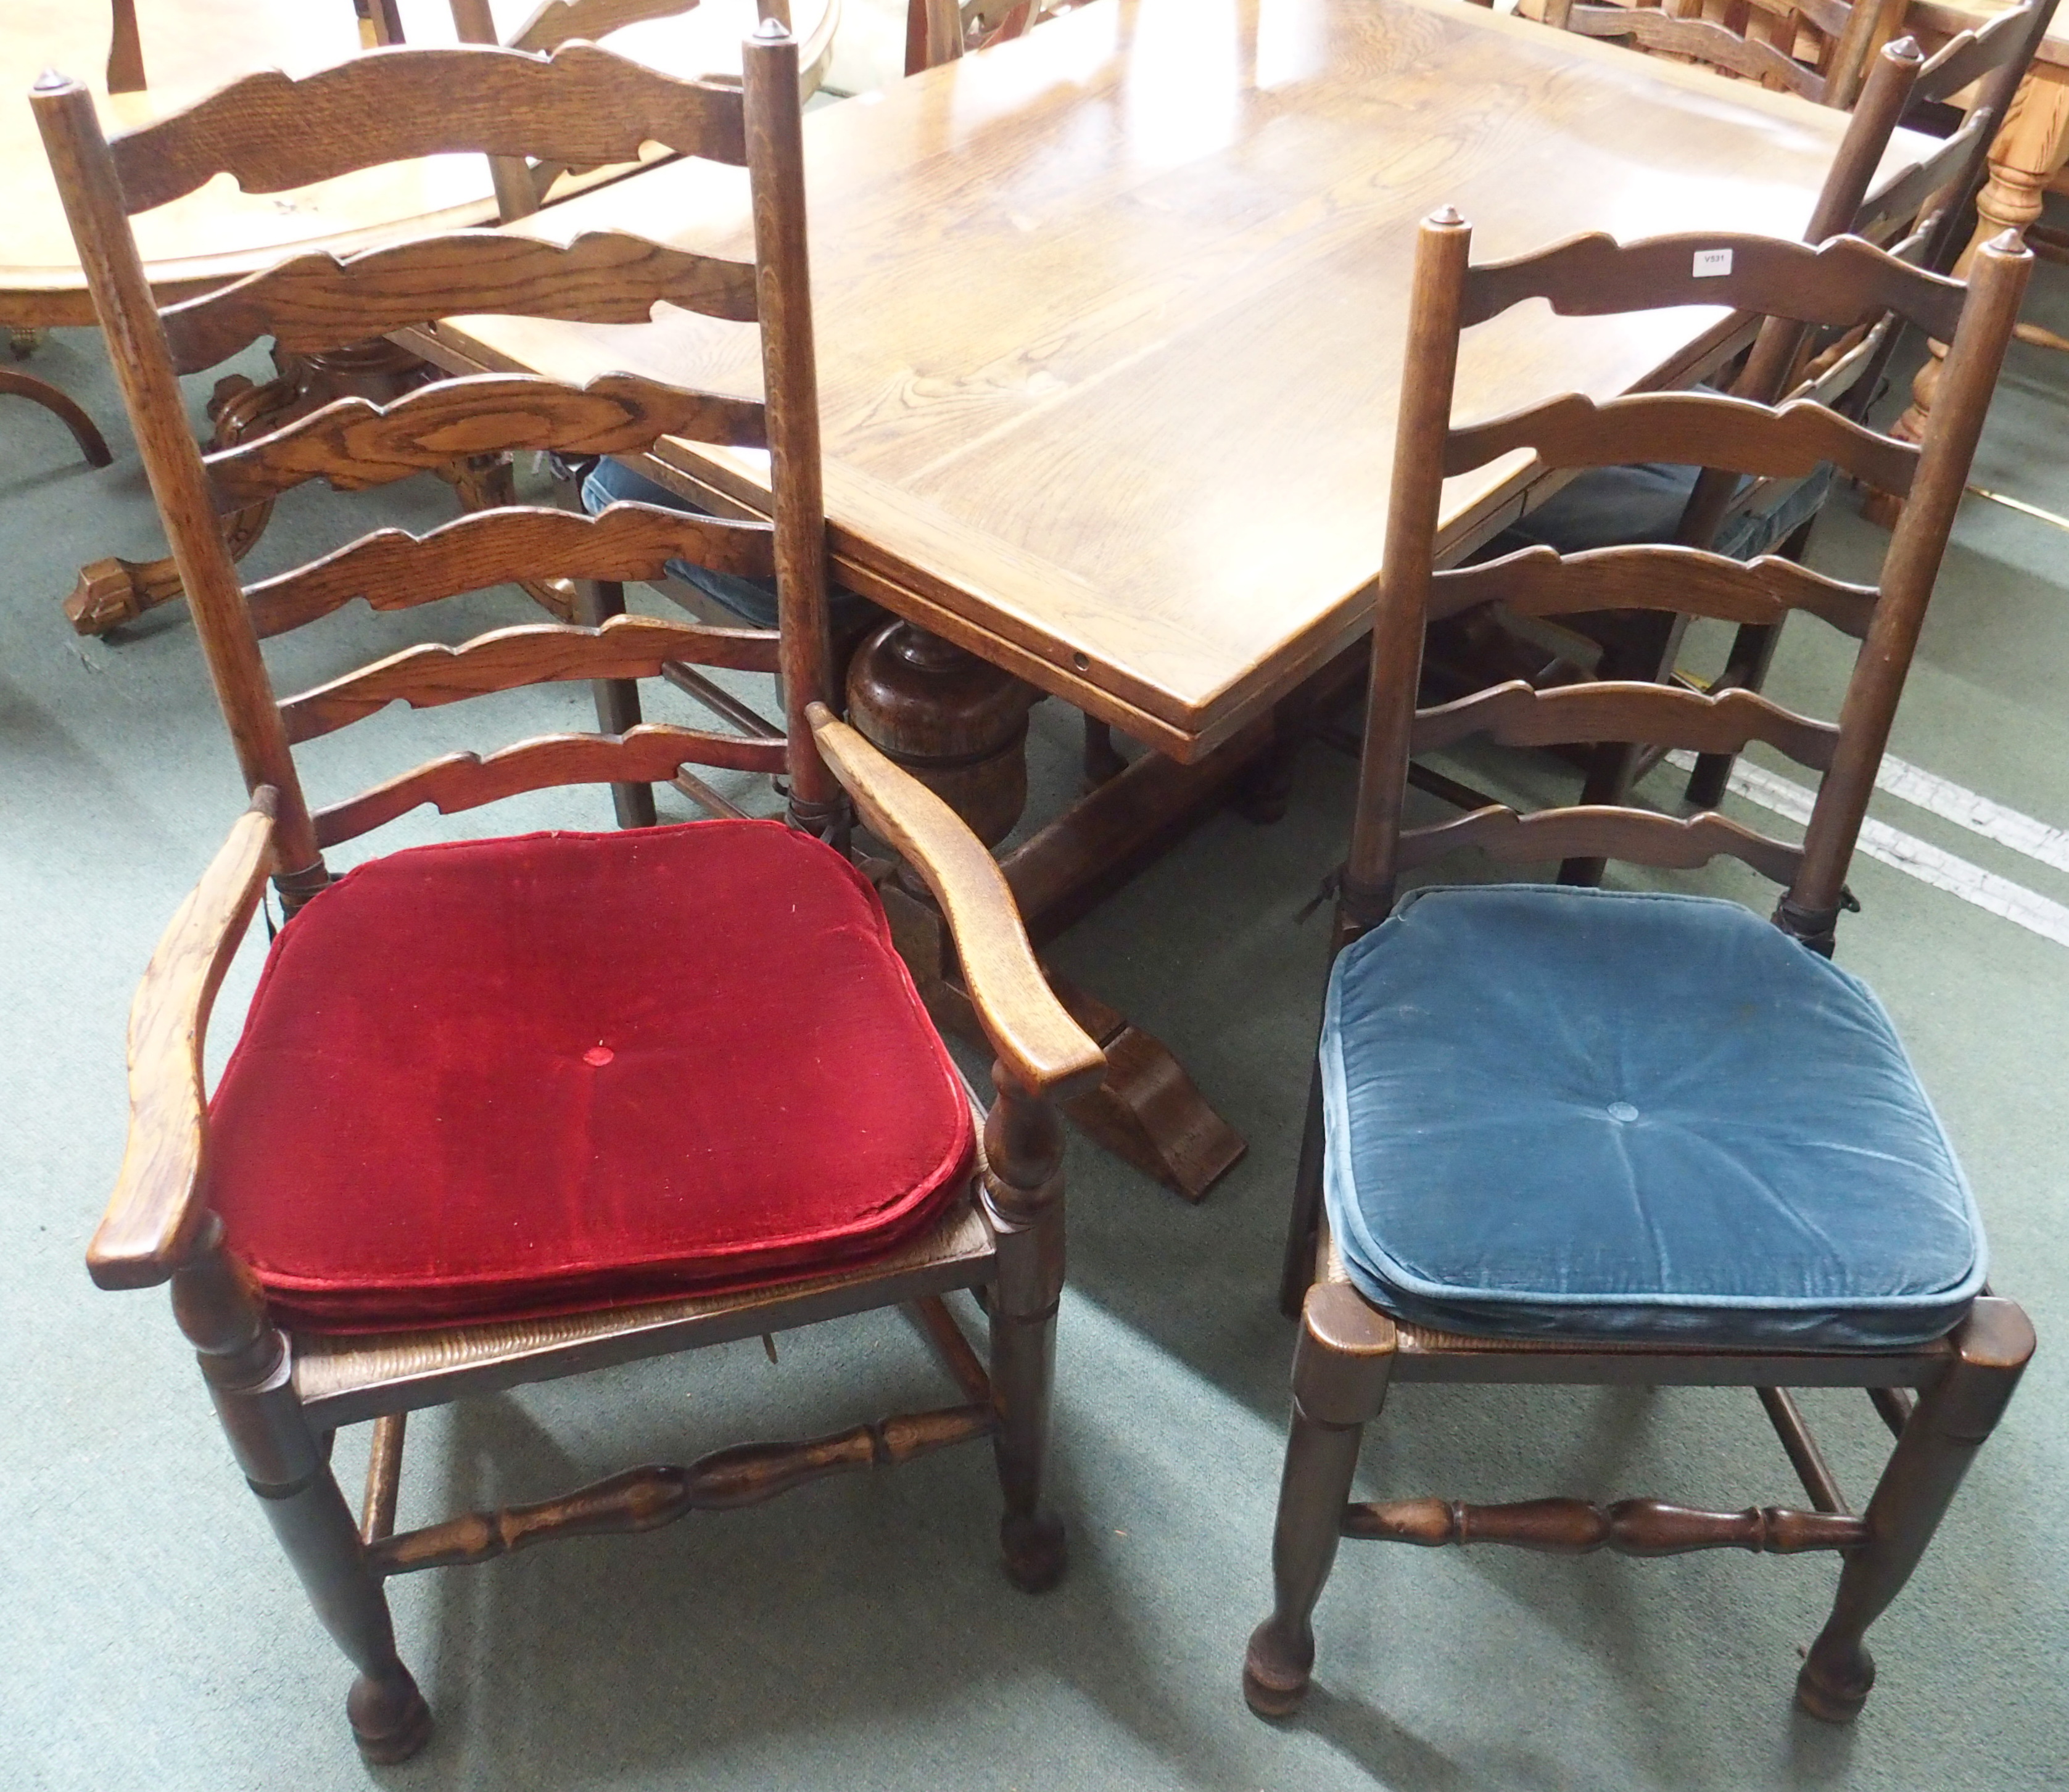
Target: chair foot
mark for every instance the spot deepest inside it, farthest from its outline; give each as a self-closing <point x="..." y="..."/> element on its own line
<point x="390" y="1721"/>
<point x="1034" y="1549"/>
<point x="1276" y="1671"/>
<point x="1834" y="1690"/>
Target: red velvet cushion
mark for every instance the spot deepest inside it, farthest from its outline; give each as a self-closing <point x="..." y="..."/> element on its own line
<point x="509" y="1077"/>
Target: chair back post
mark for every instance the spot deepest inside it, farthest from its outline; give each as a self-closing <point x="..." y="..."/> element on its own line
<point x="143" y="363"/>
<point x="934" y="34"/>
<point x="1444" y="247"/>
<point x="516" y="195"/>
<point x="1772" y="363"/>
<point x="790" y="391"/>
<point x="1997" y="284"/>
<point x="1867" y="26"/>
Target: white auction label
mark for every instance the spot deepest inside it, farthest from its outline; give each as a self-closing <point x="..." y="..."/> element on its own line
<point x="1711" y="262"/>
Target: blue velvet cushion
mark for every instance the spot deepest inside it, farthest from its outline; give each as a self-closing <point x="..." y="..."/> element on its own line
<point x="1613" y="507"/>
<point x="1584" y="1114"/>
<point x="752" y="600"/>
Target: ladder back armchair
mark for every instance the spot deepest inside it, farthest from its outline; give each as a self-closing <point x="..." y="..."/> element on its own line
<point x="509" y="1109"/>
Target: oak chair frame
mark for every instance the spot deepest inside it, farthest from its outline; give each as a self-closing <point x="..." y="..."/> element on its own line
<point x="1350" y="1350"/>
<point x="280" y="1393"/>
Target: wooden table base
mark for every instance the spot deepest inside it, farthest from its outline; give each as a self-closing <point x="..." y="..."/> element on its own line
<point x="92" y="444"/>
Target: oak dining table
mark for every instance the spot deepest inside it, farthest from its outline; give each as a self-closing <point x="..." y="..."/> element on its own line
<point x="1110" y="323"/>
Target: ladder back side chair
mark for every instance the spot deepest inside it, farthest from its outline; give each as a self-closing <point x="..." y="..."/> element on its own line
<point x="1816" y="49"/>
<point x="509" y="1109"/>
<point x="1711" y="509"/>
<point x="1845" y="368"/>
<point x="1594" y="1138"/>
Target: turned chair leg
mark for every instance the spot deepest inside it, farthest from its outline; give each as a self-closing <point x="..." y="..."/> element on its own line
<point x="389" y="1719"/>
<point x="250" y="1374"/>
<point x="1946" y="1430"/>
<point x="617" y="699"/>
<point x="1304" y="1224"/>
<point x="1340" y="1372"/>
<point x="1024" y="1192"/>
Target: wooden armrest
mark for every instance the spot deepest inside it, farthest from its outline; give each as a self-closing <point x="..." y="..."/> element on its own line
<point x="1041" y="1047"/>
<point x="154" y="1211"/>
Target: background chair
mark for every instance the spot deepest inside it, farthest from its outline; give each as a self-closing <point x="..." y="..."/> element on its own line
<point x="509" y="1109"/>
<point x="1819" y="50"/>
<point x="1744" y="518"/>
<point x="1596" y="1137"/>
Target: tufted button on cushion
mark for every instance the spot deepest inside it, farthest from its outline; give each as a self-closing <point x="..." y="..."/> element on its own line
<point x="504" y="1078"/>
<point x="1565" y="1112"/>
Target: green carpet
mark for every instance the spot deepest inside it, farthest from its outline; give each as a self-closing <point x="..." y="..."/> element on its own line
<point x="857" y="1635"/>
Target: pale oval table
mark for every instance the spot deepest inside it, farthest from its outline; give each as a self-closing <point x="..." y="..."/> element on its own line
<point x="1110" y="323"/>
<point x="189" y="49"/>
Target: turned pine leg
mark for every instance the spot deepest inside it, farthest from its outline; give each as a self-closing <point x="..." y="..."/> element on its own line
<point x="250" y="1377"/>
<point x="1940" y="1440"/>
<point x="1024" y="1191"/>
<point x="1340" y="1370"/>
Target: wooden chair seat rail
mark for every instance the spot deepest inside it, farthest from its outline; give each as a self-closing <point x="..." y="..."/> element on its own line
<point x="649" y="753"/>
<point x="1602" y="832"/>
<point x="1688" y="429"/>
<point x="341" y="1380"/>
<point x="394" y="569"/>
<point x="324" y="301"/>
<point x="1517" y="715"/>
<point x="432" y="674"/>
<point x="1841" y="282"/>
<point x="1654" y="30"/>
<point x="581" y="105"/>
<point x="645" y="1498"/>
<point x="1538" y="582"/>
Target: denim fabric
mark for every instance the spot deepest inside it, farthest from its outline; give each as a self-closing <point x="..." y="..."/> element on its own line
<point x="752" y="600"/>
<point x="1613" y="507"/>
<point x="1583" y="1114"/>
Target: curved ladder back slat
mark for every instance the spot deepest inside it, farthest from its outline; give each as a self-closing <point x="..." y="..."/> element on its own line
<point x="323" y="301"/>
<point x="1653" y="30"/>
<point x="1972" y="55"/>
<point x="394" y="569"/>
<point x="1689" y="429"/>
<point x="650" y="754"/>
<point x="1840" y="283"/>
<point x="1540" y="581"/>
<point x="540" y="653"/>
<point x="581" y="106"/>
<point x="354" y="442"/>
<point x="1636" y="835"/>
<point x="1514" y="715"/>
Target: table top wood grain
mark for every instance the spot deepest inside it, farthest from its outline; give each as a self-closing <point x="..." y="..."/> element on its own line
<point x="1110" y="319"/>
